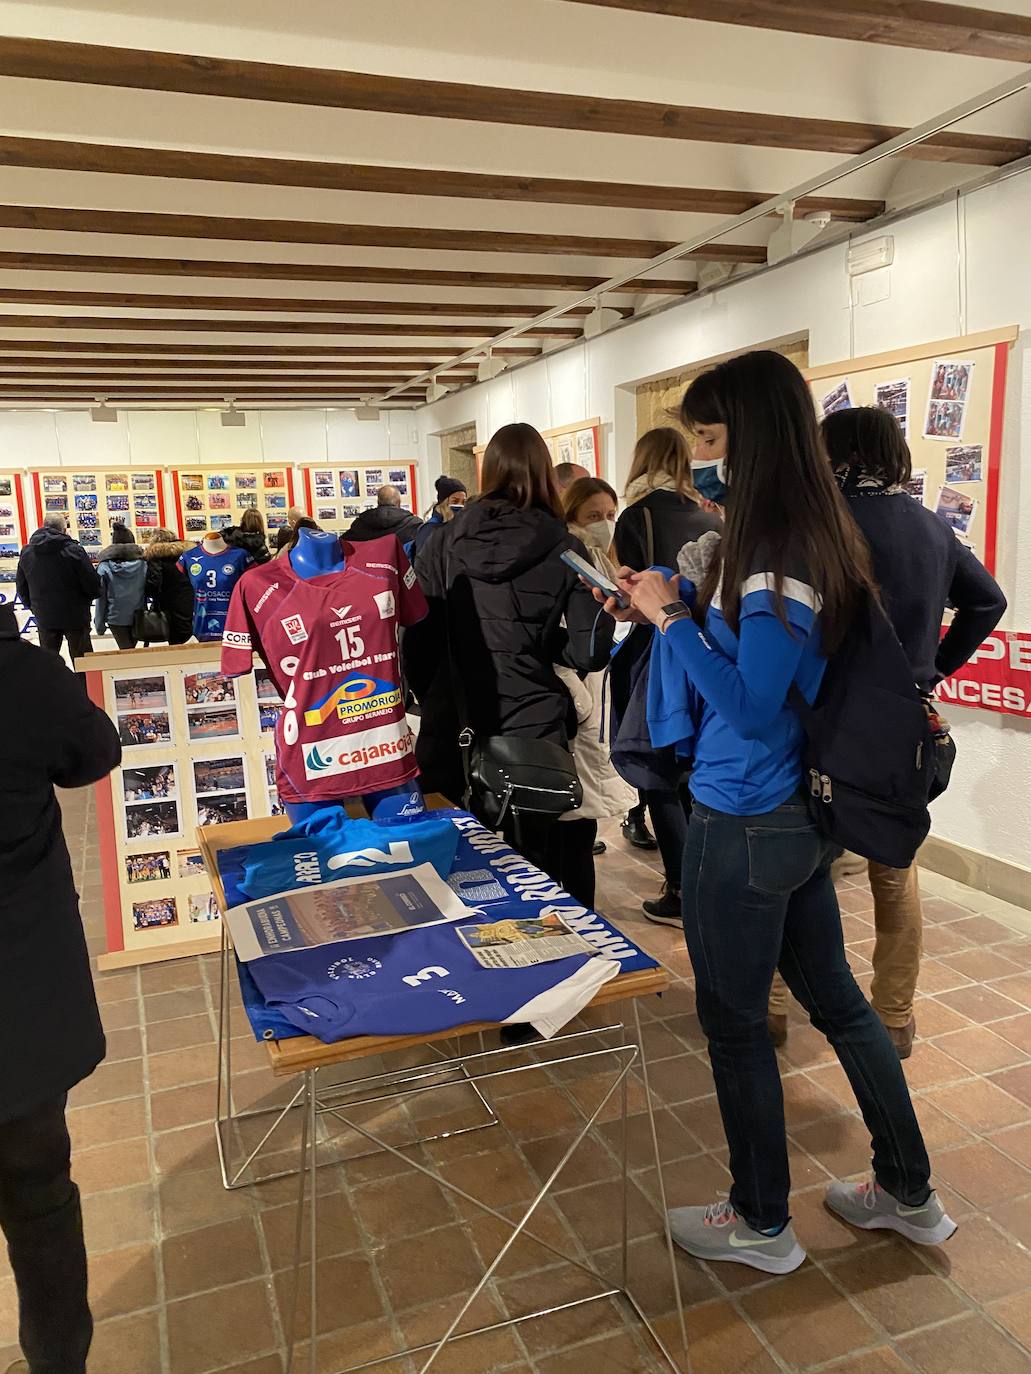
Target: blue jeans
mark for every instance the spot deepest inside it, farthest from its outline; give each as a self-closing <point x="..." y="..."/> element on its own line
<point x="758" y="895"/>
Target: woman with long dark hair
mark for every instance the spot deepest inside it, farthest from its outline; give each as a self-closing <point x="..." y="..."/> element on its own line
<point x="511" y="612"/>
<point x="758" y="894"/>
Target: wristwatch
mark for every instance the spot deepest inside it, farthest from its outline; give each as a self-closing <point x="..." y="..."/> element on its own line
<point x="676" y="610"/>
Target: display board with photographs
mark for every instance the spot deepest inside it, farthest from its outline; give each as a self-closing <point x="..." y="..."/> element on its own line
<point x="949" y="398"/>
<point x="212" y="498"/>
<point x="13" y="532"/>
<point x="334" y="496"/>
<point x="197" y="750"/>
<point x="578" y="443"/>
<point x="92" y="502"/>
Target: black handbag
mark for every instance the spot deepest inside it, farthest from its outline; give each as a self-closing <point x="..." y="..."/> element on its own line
<point x="506" y="775"/>
<point x="150" y="626"/>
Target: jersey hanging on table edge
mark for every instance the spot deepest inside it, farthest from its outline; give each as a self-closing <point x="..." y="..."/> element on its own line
<point x="330" y="644"/>
<point x="213" y="577"/>
<point x="486" y="873"/>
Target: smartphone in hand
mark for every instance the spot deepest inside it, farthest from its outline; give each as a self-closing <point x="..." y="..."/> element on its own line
<point x="590" y="574"/>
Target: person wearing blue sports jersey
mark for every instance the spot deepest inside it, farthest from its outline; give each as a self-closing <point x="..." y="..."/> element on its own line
<point x="757" y="887"/>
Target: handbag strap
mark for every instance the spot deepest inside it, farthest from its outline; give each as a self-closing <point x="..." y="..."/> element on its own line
<point x="465" y="733"/>
<point x="649" y="535"/>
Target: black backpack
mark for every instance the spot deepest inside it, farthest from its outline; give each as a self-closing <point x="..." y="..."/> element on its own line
<point x="870" y="754"/>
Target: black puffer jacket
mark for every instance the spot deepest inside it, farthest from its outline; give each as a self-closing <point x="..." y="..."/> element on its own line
<point x="251" y="542"/>
<point x="52" y="1033"/>
<point x="169" y="588"/>
<point x="675" y="521"/>
<point x="516" y="610"/>
<point x="381" y="520"/>
<point x="57" y="581"/>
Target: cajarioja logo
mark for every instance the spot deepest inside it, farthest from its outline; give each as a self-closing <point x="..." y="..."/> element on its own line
<point x="348" y="753"/>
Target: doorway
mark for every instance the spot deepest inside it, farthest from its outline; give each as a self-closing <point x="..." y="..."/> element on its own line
<point x="457" y="456"/>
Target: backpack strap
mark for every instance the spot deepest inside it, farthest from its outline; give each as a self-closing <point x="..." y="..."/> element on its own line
<point x="649" y="535"/>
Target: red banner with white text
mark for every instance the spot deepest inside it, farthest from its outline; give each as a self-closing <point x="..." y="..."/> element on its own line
<point x="997" y="678"/>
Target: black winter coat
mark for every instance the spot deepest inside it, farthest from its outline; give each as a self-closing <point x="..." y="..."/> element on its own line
<point x="251" y="542"/>
<point x="516" y="610"/>
<point x="381" y="520"/>
<point x="57" y="581"/>
<point x="676" y="521"/>
<point x="52" y="1030"/>
<point x="170" y="588"/>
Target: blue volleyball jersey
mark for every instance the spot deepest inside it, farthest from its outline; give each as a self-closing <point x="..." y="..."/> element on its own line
<point x="316" y="994"/>
<point x="752" y="776"/>
<point x="212" y="577"/>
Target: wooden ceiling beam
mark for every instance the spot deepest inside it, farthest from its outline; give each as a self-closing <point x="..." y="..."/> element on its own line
<point x="184" y="73"/>
<point x="217" y="379"/>
<point x="925" y="24"/>
<point x="105" y="389"/>
<point x="332" y="272"/>
<point x="34" y="366"/>
<point x="846" y="140"/>
<point x="153" y="224"/>
<point x="283" y="352"/>
<point x="298" y="305"/>
<point x="371" y="328"/>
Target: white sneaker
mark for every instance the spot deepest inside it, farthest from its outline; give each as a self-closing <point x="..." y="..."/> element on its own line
<point x="717" y="1232"/>
<point x="869" y="1207"/>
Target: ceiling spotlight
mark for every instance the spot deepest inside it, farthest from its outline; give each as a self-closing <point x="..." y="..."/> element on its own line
<point x="367" y="412"/>
<point x="232" y="418"/>
<point x="102" y="413"/>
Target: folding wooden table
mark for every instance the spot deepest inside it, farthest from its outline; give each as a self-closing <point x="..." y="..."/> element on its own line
<point x="609" y="1046"/>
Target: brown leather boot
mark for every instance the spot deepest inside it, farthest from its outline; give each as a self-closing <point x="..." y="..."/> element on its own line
<point x="777" y="1026"/>
<point x="902" y="1037"/>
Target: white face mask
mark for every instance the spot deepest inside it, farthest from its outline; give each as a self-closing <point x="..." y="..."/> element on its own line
<point x="601" y="531"/>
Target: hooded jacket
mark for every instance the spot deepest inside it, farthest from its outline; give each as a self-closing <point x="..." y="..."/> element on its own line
<point x="675" y="520"/>
<point x="123" y="575"/>
<point x="515" y="611"/>
<point x="52" y="1032"/>
<point x="249" y="540"/>
<point x="171" y="588"/>
<point x="381" y="520"/>
<point x="57" y="581"/>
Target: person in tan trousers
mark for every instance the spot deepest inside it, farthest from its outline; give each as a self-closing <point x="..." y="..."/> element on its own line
<point x="921" y="568"/>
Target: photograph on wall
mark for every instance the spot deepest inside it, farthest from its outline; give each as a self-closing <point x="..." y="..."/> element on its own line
<point x="963" y="463"/>
<point x="142" y="481"/>
<point x="956" y="509"/>
<point x="81" y="481"/>
<point x="85" y="502"/>
<point x="944" y="420"/>
<point x="585" y="447"/>
<point x="116" y="481"/>
<point x="118" y="503"/>
<point x="153" y="782"/>
<point x="88" y="521"/>
<point x="324" y="492"/>
<point x="207" y="688"/>
<point x="5" y="486"/>
<point x="349" y="483"/>
<point x="7" y="530"/>
<point x="54" y="483"/>
<point x="838" y="399"/>
<point x="950" y="381"/>
<point x="213" y="722"/>
<point x="218" y="809"/>
<point x="191" y="481"/>
<point x="148" y="867"/>
<point x="190" y="862"/>
<point x="246" y="481"/>
<point x="351" y="512"/>
<point x="218" y="775"/>
<point x="565" y="450"/>
<point x="146" y="820"/>
<point x="275" y="521"/>
<point x="195" y="524"/>
<point x="327" y="513"/>
<point x="265" y="687"/>
<point x="247" y="500"/>
<point x="89" y="539"/>
<point x="194" y="503"/>
<point x="158" y="912"/>
<point x="275" y="501"/>
<point x="220" y="522"/>
<point x="218" y="500"/>
<point x="203" y="907"/>
<point x="894" y="398"/>
<point x="274" y="480"/>
<point x="135" y="693"/>
<point x="322" y="477"/>
<point x="268" y="715"/>
<point x="373" y="480"/>
<point x="398" y="477"/>
<point x="55" y="505"/>
<point x="218" y="481"/>
<point x="917" y="485"/>
<point x="144" y="727"/>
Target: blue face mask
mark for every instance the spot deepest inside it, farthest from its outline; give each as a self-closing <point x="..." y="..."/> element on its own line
<point x="708" y="480"/>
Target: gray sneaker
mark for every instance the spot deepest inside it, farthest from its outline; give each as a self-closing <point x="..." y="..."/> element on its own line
<point x="869" y="1207"/>
<point x="717" y="1232"/>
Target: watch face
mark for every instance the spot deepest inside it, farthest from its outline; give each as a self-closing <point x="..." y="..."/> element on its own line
<point x="674" y="608"/>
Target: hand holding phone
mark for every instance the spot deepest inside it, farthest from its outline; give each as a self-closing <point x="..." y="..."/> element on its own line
<point x="588" y="573"/>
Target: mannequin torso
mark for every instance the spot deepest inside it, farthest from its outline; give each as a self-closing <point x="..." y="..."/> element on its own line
<point x="316" y="553"/>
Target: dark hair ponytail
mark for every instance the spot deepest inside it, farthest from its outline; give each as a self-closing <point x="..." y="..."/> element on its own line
<point x="783" y="502"/>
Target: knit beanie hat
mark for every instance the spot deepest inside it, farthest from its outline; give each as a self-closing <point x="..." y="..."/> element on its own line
<point x="447" y="486"/>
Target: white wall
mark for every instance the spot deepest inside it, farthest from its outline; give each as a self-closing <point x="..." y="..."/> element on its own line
<point x="958" y="268"/>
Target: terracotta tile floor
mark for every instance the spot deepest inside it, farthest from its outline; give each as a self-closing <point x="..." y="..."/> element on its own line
<point x="189" y="1279"/>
